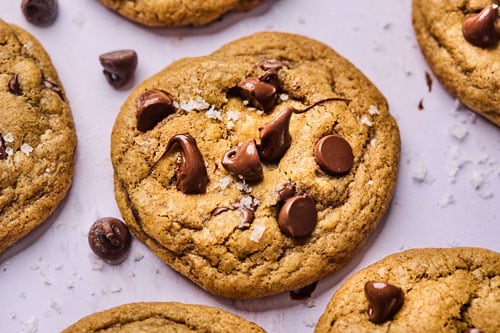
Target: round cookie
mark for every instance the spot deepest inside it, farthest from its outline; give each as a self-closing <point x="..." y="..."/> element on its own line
<point x="175" y="13"/>
<point x="469" y="72"/>
<point x="37" y="136"/>
<point x="216" y="168"/>
<point x="163" y="317"/>
<point x="443" y="290"/>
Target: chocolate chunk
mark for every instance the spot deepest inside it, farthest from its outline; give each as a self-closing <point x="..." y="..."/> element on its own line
<point x="3" y="148"/>
<point x="119" y="66"/>
<point x="298" y="216"/>
<point x="275" y="137"/>
<point x="304" y="292"/>
<point x="270" y="76"/>
<point x="261" y="95"/>
<point x="152" y="107"/>
<point x="334" y="155"/>
<point x="14" y="86"/>
<point x="286" y="192"/>
<point x="384" y="300"/>
<point x="271" y="64"/>
<point x="49" y="84"/>
<point x="191" y="173"/>
<point x="110" y="239"/>
<point x="40" y="12"/>
<point x="243" y="162"/>
<point x="479" y="29"/>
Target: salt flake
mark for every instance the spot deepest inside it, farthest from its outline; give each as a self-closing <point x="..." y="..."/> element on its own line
<point x="258" y="231"/>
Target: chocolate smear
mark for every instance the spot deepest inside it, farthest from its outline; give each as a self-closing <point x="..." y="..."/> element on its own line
<point x="275" y="138"/>
<point x="384" y="300"/>
<point x="110" y="239"/>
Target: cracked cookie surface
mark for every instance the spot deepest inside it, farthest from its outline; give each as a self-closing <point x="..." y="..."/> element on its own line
<point x="445" y="290"/>
<point x="228" y="238"/>
<point x="175" y="13"/>
<point x="163" y="317"/>
<point x="37" y="136"/>
<point x="469" y="72"/>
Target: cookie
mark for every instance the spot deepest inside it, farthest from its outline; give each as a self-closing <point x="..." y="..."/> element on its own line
<point x="420" y="290"/>
<point x="163" y="317"/>
<point x="37" y="136"/>
<point x="449" y="34"/>
<point x="175" y="13"/>
<point x="258" y="169"/>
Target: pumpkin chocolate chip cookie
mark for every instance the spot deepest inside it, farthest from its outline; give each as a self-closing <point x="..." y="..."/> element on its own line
<point x="258" y="169"/>
<point x="37" y="136"/>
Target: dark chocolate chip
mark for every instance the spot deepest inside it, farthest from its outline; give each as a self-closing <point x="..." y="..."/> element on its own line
<point x="304" y="292"/>
<point x="191" y="173"/>
<point x="110" y="239"/>
<point x="275" y="137"/>
<point x="152" y="107"/>
<point x="40" y="12"/>
<point x="287" y="191"/>
<point x="243" y="162"/>
<point x="119" y="66"/>
<point x="3" y="148"/>
<point x="271" y="64"/>
<point x="14" y="86"/>
<point x="270" y="76"/>
<point x="479" y="29"/>
<point x="49" y="84"/>
<point x="384" y="300"/>
<point x="261" y="95"/>
<point x="333" y="155"/>
<point x="298" y="216"/>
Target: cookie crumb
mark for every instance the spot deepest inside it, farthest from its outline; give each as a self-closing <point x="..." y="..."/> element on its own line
<point x="258" y="231"/>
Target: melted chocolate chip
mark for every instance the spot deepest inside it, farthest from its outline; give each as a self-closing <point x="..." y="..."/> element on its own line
<point x="298" y="216"/>
<point x="40" y="12"/>
<point x="110" y="239"/>
<point x="14" y="86"/>
<point x="304" y="292"/>
<point x="479" y="29"/>
<point x="243" y="162"/>
<point x="49" y="84"/>
<point x="119" y="66"/>
<point x="152" y="107"/>
<point x="275" y="138"/>
<point x="3" y="148"/>
<point x="270" y="76"/>
<point x="271" y="64"/>
<point x="333" y="155"/>
<point x="384" y="300"/>
<point x="247" y="212"/>
<point x="261" y="95"/>
<point x="286" y="192"/>
<point x="191" y="173"/>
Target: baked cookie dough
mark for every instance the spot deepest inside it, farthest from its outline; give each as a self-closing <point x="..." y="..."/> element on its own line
<point x="441" y="290"/>
<point x="175" y="13"/>
<point x="469" y="72"/>
<point x="163" y="317"/>
<point x="37" y="136"/>
<point x="258" y="169"/>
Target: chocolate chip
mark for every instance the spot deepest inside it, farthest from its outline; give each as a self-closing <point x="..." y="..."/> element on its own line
<point x="243" y="162"/>
<point x="384" y="300"/>
<point x="40" y="12"/>
<point x="3" y="148"/>
<point x="333" y="155"/>
<point x="298" y="216"/>
<point x="110" y="239"/>
<point x="275" y="137"/>
<point x="472" y="330"/>
<point x="49" y="84"/>
<point x="287" y="191"/>
<point x="152" y="107"/>
<point x="191" y="173"/>
<point x="304" y="292"/>
<point x="14" y="86"/>
<point x="119" y="66"/>
<point x="271" y="64"/>
<point x="261" y="95"/>
<point x="479" y="29"/>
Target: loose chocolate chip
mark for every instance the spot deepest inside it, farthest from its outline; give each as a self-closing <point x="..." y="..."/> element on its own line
<point x="40" y="12"/>
<point x="119" y="66"/>
<point x="191" y="173"/>
<point x="49" y="84"/>
<point x="298" y="216"/>
<point x="261" y="95"/>
<point x="479" y="29"/>
<point x="243" y="162"/>
<point x="286" y="192"/>
<point x="275" y="138"/>
<point x="110" y="239"/>
<point x="152" y="107"/>
<point x="384" y="300"/>
<point x="333" y="155"/>
<point x="14" y="86"/>
<point x="3" y="148"/>
<point x="304" y="292"/>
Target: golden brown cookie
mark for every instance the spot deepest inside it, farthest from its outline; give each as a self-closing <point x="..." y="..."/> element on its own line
<point x="420" y="290"/>
<point x="163" y="317"/>
<point x="37" y="136"/>
<point x="258" y="169"/>
<point x="460" y="41"/>
<point x="175" y="13"/>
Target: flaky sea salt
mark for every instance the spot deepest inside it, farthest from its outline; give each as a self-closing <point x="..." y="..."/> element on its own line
<point x="258" y="231"/>
<point x="138" y="257"/>
<point x="9" y="138"/>
<point x="9" y="151"/>
<point x="459" y="131"/>
<point x="458" y="161"/>
<point x="366" y="121"/>
<point x="31" y="325"/>
<point x="446" y="201"/>
<point x="233" y="115"/>
<point x="198" y="103"/>
<point x="373" y="110"/>
<point x="243" y="187"/>
<point x="249" y="202"/>
<point x="55" y="306"/>
<point x="481" y="184"/>
<point x="26" y="148"/>
<point x="373" y="143"/>
<point x="212" y="113"/>
<point x="225" y="182"/>
<point x="284" y="97"/>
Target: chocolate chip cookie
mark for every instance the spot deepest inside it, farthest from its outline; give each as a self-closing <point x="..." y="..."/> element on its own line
<point x="460" y="41"/>
<point x="175" y="13"/>
<point x="420" y="290"/>
<point x="258" y="169"/>
<point x="37" y="136"/>
<point x="163" y="317"/>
